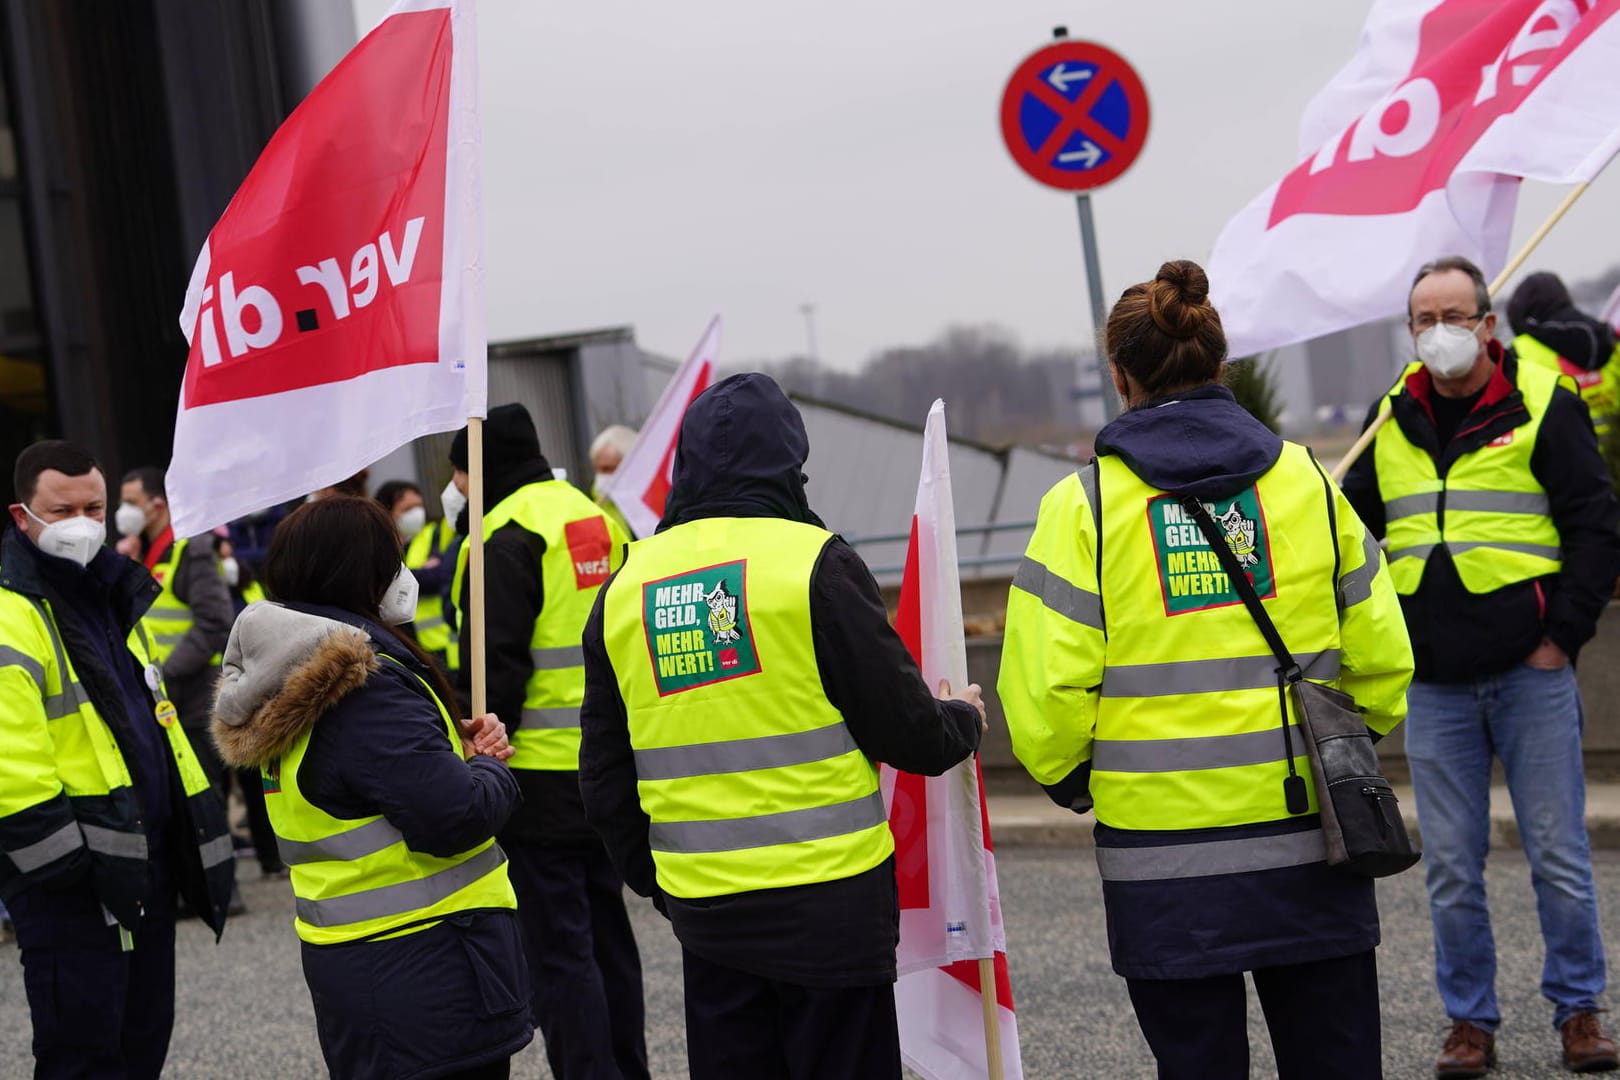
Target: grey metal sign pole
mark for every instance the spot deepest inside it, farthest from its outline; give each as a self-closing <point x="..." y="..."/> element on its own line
<point x="1099" y="314"/>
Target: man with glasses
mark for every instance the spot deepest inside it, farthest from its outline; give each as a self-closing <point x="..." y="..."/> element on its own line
<point x="1504" y="543"/>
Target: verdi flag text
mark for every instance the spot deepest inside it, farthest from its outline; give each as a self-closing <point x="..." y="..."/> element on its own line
<point x="641" y="482"/>
<point x="950" y="904"/>
<point x="1415" y="150"/>
<point x="336" y="309"/>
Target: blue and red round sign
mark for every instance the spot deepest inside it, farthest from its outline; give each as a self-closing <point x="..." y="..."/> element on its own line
<point x="1074" y="115"/>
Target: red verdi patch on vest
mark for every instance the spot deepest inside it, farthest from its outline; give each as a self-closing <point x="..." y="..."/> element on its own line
<point x="591" y="548"/>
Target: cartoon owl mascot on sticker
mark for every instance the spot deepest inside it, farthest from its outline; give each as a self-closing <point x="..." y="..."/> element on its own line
<point x="722" y="615"/>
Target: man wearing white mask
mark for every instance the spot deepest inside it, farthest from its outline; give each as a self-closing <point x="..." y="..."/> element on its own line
<point x="1504" y="543"/>
<point x="104" y="811"/>
<point x="190" y="620"/>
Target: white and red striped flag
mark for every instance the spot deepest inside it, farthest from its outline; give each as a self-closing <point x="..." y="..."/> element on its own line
<point x="641" y="482"/>
<point x="336" y="310"/>
<point x="1415" y="150"/>
<point x="950" y="905"/>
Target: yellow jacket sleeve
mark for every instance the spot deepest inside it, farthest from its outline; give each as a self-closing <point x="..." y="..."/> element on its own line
<point x="1375" y="651"/>
<point x="1052" y="654"/>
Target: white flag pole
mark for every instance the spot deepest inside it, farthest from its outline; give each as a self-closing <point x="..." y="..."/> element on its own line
<point x="475" y="564"/>
<point x="1508" y="271"/>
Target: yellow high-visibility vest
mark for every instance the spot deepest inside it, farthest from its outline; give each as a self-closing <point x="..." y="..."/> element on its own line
<point x="169" y="619"/>
<point x="749" y="775"/>
<point x="1489" y="510"/>
<point x="1600" y="389"/>
<point x="1142" y="672"/>
<point x="582" y="549"/>
<point x="433" y="630"/>
<point x="357" y="879"/>
<point x="64" y="783"/>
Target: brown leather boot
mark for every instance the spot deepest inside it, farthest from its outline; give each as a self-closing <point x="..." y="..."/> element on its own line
<point x="1586" y="1048"/>
<point x="1469" y="1051"/>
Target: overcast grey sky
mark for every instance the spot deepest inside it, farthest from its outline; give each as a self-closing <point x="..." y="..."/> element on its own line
<point x="653" y="163"/>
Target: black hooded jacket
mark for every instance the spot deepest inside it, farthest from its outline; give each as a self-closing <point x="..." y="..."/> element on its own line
<point x="1458" y="635"/>
<point x="741" y="453"/>
<point x="1542" y="308"/>
<point x="514" y="596"/>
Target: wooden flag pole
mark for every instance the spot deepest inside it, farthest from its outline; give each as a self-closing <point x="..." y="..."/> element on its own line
<point x="1508" y="271"/>
<point x="475" y="564"/>
<point x="992" y="1017"/>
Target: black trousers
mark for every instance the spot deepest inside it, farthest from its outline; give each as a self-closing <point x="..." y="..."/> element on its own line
<point x="98" y="1011"/>
<point x="583" y="963"/>
<point x="1323" y="1019"/>
<point x="258" y="816"/>
<point x="744" y="1027"/>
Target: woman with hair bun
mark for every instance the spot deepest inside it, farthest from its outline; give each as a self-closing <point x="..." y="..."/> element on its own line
<point x="1136" y="683"/>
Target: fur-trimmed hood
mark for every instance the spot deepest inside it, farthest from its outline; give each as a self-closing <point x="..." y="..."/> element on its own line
<point x="282" y="670"/>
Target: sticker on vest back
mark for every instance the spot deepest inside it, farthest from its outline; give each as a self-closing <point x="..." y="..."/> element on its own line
<point x="1190" y="574"/>
<point x="270" y="778"/>
<point x="590" y="546"/>
<point x="697" y="627"/>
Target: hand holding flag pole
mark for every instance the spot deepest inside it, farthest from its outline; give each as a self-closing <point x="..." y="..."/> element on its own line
<point x="1367" y="437"/>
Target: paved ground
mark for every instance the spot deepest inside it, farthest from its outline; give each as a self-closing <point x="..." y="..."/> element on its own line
<point x="245" y="1014"/>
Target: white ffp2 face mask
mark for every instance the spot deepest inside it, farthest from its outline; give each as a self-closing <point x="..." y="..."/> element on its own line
<point x="232" y="571"/>
<point x="399" y="602"/>
<point x="76" y="538"/>
<point x="411" y="522"/>
<point x="453" y="501"/>
<point x="1447" y="351"/>
<point x="129" y="518"/>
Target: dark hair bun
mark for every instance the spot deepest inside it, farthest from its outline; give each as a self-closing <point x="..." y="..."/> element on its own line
<point x="1178" y="299"/>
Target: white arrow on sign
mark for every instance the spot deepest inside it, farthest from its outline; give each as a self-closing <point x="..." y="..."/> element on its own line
<point x="1060" y="77"/>
<point x="1090" y="155"/>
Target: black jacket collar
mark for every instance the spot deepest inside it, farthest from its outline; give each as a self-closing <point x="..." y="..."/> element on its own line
<point x="130" y="588"/>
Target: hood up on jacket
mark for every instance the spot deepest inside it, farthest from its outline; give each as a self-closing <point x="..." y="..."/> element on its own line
<point x="1542" y="307"/>
<point x="1200" y="443"/>
<point x="512" y="457"/>
<point x="741" y="453"/>
<point x="282" y="670"/>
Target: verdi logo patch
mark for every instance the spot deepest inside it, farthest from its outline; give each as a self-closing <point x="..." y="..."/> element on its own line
<point x="1190" y="573"/>
<point x="698" y="629"/>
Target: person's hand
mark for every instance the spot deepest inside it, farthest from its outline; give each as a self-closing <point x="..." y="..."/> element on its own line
<point x="129" y="546"/>
<point x="431" y="563"/>
<point x="485" y="735"/>
<point x="970" y="694"/>
<point x="1548" y="657"/>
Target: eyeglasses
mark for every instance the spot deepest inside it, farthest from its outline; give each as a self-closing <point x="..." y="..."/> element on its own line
<point x="1421" y="323"/>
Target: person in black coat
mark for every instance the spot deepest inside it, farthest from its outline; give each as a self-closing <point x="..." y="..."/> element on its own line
<point x="443" y="995"/>
<point x="799" y="973"/>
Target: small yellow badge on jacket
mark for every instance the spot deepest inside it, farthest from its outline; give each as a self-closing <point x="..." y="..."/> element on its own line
<point x="167" y="714"/>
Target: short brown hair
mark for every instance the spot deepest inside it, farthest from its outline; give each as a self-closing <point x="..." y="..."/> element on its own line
<point x="1164" y="334"/>
<point x="67" y="458"/>
<point x="1482" y="291"/>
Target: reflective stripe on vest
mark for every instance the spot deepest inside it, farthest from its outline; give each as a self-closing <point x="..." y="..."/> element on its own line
<point x="356" y="879"/>
<point x="1188" y="733"/>
<point x="1489" y="511"/>
<point x="708" y="628"/>
<point x="582" y="547"/>
<point x="1211" y="857"/>
<point x="1600" y="389"/>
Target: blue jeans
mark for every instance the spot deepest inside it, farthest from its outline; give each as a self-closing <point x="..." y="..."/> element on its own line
<point x="1532" y="720"/>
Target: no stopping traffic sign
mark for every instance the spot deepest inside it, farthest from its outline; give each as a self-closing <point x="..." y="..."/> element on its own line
<point x="1074" y="115"/>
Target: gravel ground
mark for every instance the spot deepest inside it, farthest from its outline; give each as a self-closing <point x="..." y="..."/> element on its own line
<point x="244" y="1012"/>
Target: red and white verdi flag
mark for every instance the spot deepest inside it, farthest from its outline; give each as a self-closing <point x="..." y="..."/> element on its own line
<point x="1415" y="151"/>
<point x="950" y="905"/>
<point x="641" y="482"/>
<point x="336" y="310"/>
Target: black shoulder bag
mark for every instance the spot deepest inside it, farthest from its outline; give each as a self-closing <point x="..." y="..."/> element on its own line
<point x="1361" y="822"/>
